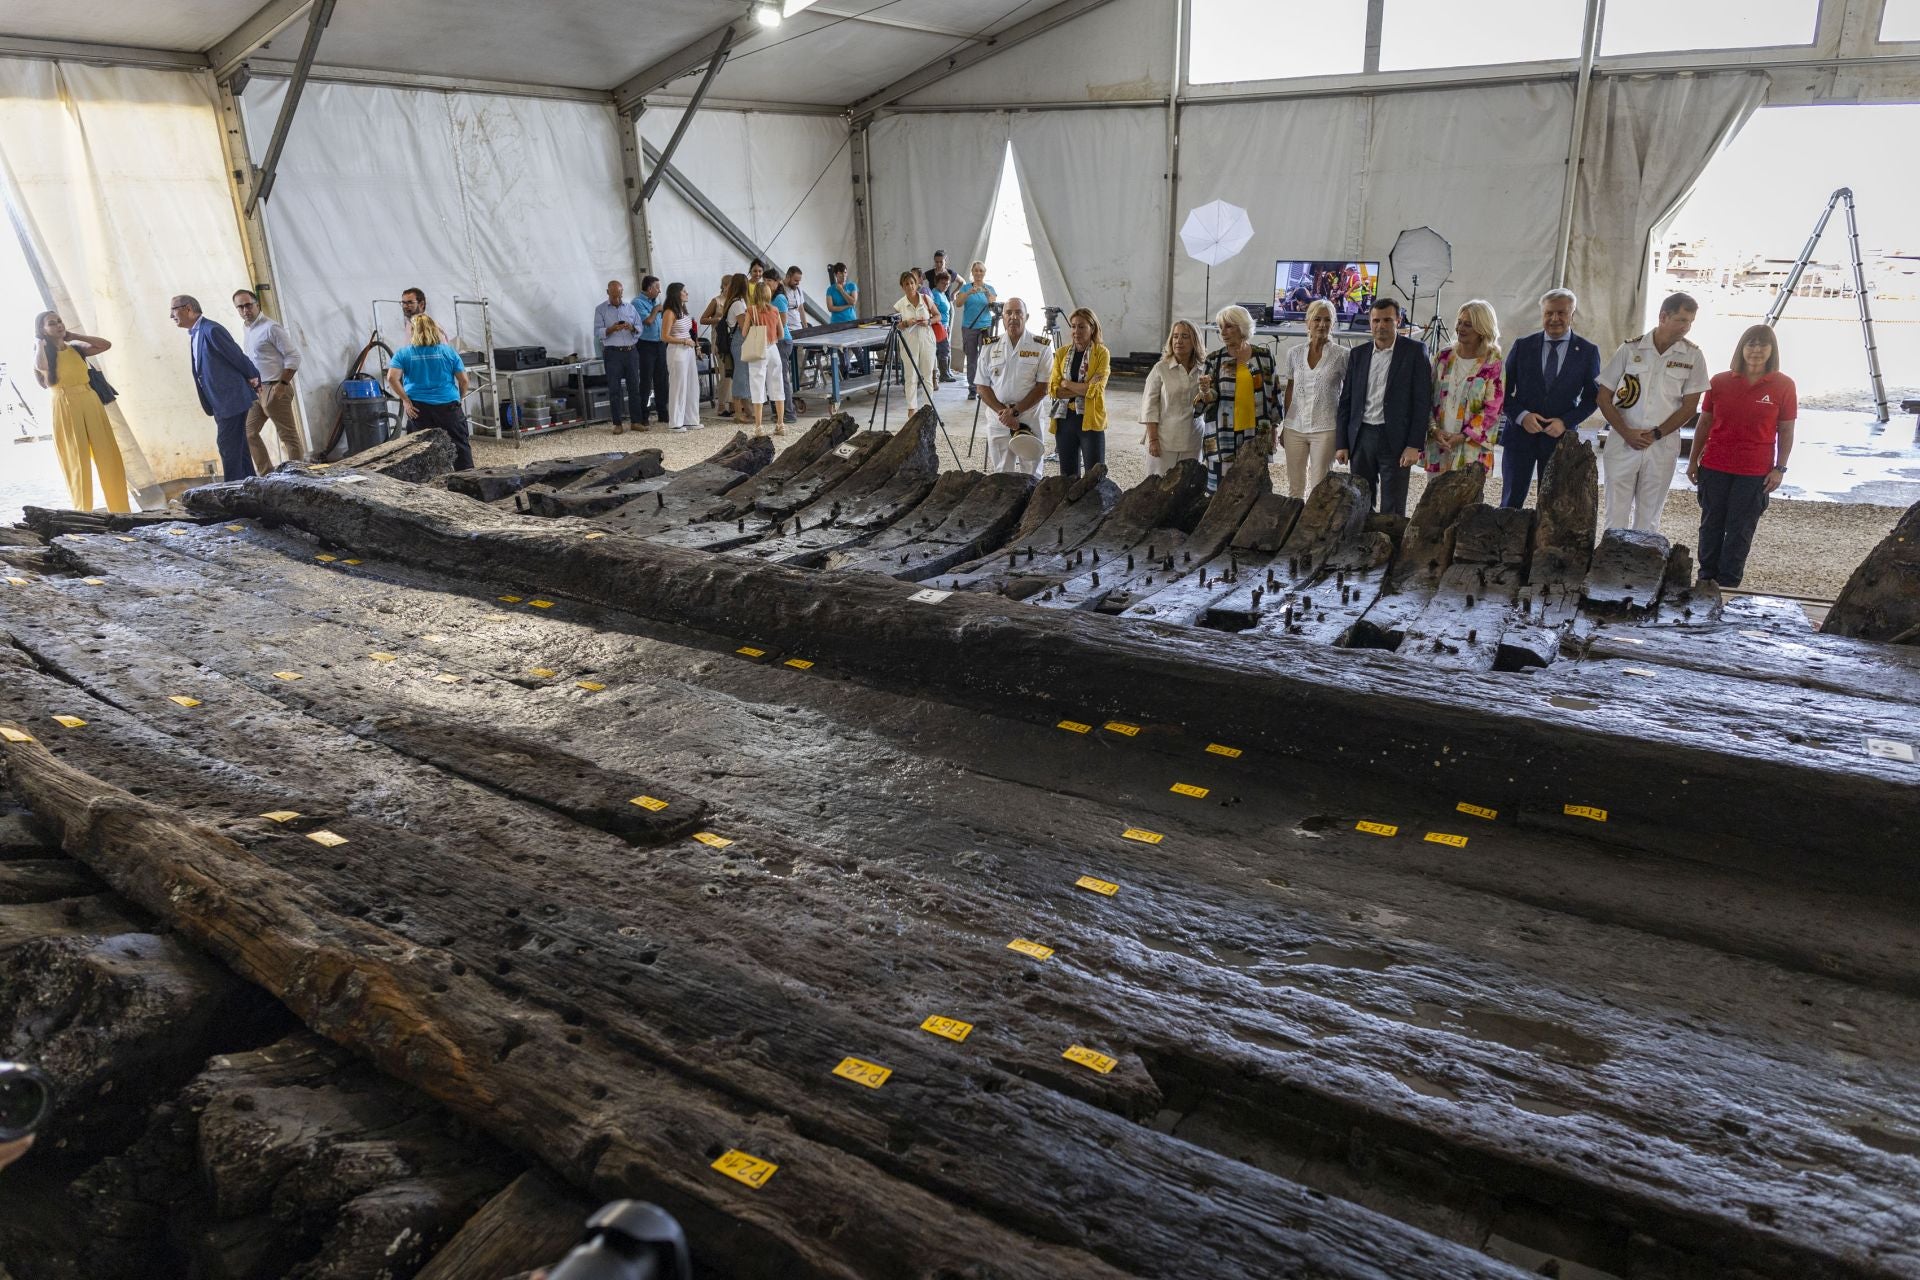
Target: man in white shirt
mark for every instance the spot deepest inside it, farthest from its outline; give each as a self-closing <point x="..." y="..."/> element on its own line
<point x="1647" y="393"/>
<point x="1012" y="381"/>
<point x="273" y="353"/>
<point x="616" y="323"/>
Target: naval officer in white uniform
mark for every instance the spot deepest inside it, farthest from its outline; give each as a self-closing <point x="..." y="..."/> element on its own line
<point x="1012" y="378"/>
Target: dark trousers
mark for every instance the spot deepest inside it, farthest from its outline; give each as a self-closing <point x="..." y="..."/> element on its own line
<point x="230" y="433"/>
<point x="653" y="381"/>
<point x="452" y="419"/>
<point x="1730" y="510"/>
<point x="1376" y="464"/>
<point x="943" y="356"/>
<point x="1521" y="455"/>
<point x="623" y="382"/>
<point x="1077" y="446"/>
<point x="789" y="377"/>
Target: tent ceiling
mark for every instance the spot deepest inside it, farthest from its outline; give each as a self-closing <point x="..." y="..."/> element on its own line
<point x="830" y="54"/>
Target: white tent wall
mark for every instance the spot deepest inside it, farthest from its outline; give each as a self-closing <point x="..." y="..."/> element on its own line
<point x="1647" y="143"/>
<point x="935" y="179"/>
<point x="514" y="199"/>
<point x="118" y="182"/>
<point x="1096" y="204"/>
<point x="784" y="179"/>
<point x="1122" y="50"/>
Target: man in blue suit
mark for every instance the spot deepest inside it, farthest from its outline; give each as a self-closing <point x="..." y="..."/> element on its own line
<point x="228" y="382"/>
<point x="1385" y="407"/>
<point x="1550" y="377"/>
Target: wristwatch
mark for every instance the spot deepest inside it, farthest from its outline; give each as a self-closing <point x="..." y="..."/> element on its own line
<point x="1781" y="470"/>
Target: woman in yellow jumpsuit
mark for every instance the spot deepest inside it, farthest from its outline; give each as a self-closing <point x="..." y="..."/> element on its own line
<point x="81" y="434"/>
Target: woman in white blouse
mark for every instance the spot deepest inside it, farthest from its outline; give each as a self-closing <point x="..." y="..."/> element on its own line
<point x="1166" y="406"/>
<point x="915" y="336"/>
<point x="1316" y="369"/>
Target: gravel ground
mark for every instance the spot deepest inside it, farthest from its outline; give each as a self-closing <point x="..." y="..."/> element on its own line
<point x="1803" y="548"/>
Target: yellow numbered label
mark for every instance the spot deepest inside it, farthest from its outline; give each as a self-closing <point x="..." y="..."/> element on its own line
<point x="123" y="538"/>
<point x="748" y="651"/>
<point x="799" y="664"/>
<point x="541" y="604"/>
<point x="510" y="599"/>
<point x="447" y="677"/>
<point x="597" y="534"/>
<point x="282" y="816"/>
<point x="95" y="582"/>
<point x="1377" y="828"/>
<point x="236" y="528"/>
<point x="18" y="582"/>
<point x="708" y="838"/>
<point x="1090" y="1059"/>
<point x="183" y="700"/>
<point x="1074" y="726"/>
<point x="1106" y="887"/>
<point x="741" y="1167"/>
<point x="70" y="722"/>
<point x="870" y="1074"/>
<point x="591" y="686"/>
<point x="288" y="676"/>
<point x="384" y="657"/>
<point x="326" y="838"/>
<point x="178" y="533"/>
<point x="1476" y="811"/>
<point x="1584" y="811"/>
<point x="1144" y="837"/>
<point x="1188" y="789"/>
<point x="1636" y="671"/>
<point x="349" y="562"/>
<point x="12" y="734"/>
<point x="1441" y="837"/>
<point x="1125" y="730"/>
<point x="947" y="1028"/>
<point x="326" y="559"/>
<point x="1027" y="948"/>
<point x="1231" y="753"/>
<point x="545" y="673"/>
<point x="649" y="803"/>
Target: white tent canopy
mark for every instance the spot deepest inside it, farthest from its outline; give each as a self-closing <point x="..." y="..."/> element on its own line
<point x="496" y="150"/>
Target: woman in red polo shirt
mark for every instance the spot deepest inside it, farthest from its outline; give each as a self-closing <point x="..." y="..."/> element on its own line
<point x="1740" y="452"/>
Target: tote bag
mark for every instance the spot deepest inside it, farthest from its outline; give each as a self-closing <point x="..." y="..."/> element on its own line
<point x="753" y="347"/>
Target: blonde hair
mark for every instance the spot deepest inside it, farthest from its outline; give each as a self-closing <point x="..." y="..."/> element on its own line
<point x="1480" y="311"/>
<point x="978" y="266"/>
<point x="1093" y="321"/>
<point x="425" y="331"/>
<point x="1166" y="351"/>
<point x="759" y="294"/>
<point x="1318" y="305"/>
<point x="1236" y="316"/>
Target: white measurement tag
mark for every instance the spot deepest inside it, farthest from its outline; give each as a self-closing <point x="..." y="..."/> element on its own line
<point x="929" y="596"/>
<point x="844" y="451"/>
<point x="1888" y="749"/>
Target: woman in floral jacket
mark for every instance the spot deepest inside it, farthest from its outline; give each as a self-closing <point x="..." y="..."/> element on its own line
<point x="1468" y="388"/>
<point x="1238" y="396"/>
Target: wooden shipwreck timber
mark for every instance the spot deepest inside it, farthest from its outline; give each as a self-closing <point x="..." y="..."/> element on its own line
<point x="1227" y="886"/>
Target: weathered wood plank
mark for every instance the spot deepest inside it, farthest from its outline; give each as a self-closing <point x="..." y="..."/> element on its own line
<point x="1881" y="598"/>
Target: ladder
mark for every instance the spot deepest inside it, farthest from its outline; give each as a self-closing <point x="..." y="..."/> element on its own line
<point x="1859" y="291"/>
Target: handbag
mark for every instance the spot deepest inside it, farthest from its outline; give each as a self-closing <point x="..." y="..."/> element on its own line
<point x="753" y="347"/>
<point x="101" y="387"/>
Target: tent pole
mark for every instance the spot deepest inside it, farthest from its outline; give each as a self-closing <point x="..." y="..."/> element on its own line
<point x="1576" y="140"/>
<point x="1178" y="80"/>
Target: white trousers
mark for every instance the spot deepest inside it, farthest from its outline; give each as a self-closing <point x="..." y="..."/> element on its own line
<point x="1179" y="442"/>
<point x="683" y="387"/>
<point x="1002" y="460"/>
<point x="916" y="365"/>
<point x="1309" y="458"/>
<point x="1637" y="481"/>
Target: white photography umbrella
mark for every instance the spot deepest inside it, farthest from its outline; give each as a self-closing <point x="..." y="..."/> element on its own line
<point x="1213" y="233"/>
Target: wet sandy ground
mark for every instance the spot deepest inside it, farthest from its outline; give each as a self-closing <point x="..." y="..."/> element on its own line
<point x="1859" y="476"/>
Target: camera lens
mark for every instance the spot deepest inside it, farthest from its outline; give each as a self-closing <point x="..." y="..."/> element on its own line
<point x="24" y="1100"/>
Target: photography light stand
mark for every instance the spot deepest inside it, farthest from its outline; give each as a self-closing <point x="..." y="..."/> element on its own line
<point x="886" y="384"/>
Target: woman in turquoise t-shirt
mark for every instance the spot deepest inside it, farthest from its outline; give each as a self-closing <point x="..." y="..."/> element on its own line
<point x="431" y="380"/>
<point x="843" y="306"/>
<point x="976" y="299"/>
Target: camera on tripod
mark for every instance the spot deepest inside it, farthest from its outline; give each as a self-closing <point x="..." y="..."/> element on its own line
<point x="26" y="1096"/>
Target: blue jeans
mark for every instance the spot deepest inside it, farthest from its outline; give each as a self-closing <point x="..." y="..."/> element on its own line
<point x="1076" y="445"/>
<point x="623" y="380"/>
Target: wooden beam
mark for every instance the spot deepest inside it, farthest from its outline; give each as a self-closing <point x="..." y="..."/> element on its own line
<point x="947" y="64"/>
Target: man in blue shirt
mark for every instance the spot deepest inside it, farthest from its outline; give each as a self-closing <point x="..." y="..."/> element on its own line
<point x="976" y="299"/>
<point x="616" y="323"/>
<point x="652" y="349"/>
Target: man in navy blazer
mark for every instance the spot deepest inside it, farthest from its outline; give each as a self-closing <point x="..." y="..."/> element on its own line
<point x="1550" y="377"/>
<point x="228" y="382"/>
<point x="1385" y="407"/>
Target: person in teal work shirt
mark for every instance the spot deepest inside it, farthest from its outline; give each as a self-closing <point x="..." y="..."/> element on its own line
<point x="943" y="349"/>
<point x="976" y="299"/>
<point x="843" y="305"/>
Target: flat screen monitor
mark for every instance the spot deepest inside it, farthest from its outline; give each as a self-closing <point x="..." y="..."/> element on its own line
<point x="1349" y="286"/>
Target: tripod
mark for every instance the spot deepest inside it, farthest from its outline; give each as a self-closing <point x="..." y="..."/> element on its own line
<point x="888" y="362"/>
<point x="1860" y="292"/>
<point x="29" y="425"/>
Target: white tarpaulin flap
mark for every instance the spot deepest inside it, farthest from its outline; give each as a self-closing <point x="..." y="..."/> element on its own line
<point x="935" y="178"/>
<point x="1097" y="208"/>
<point x="1123" y="49"/>
<point x="120" y="189"/>
<point x="786" y="180"/>
<point x="1648" y="141"/>
<point x="379" y="189"/>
